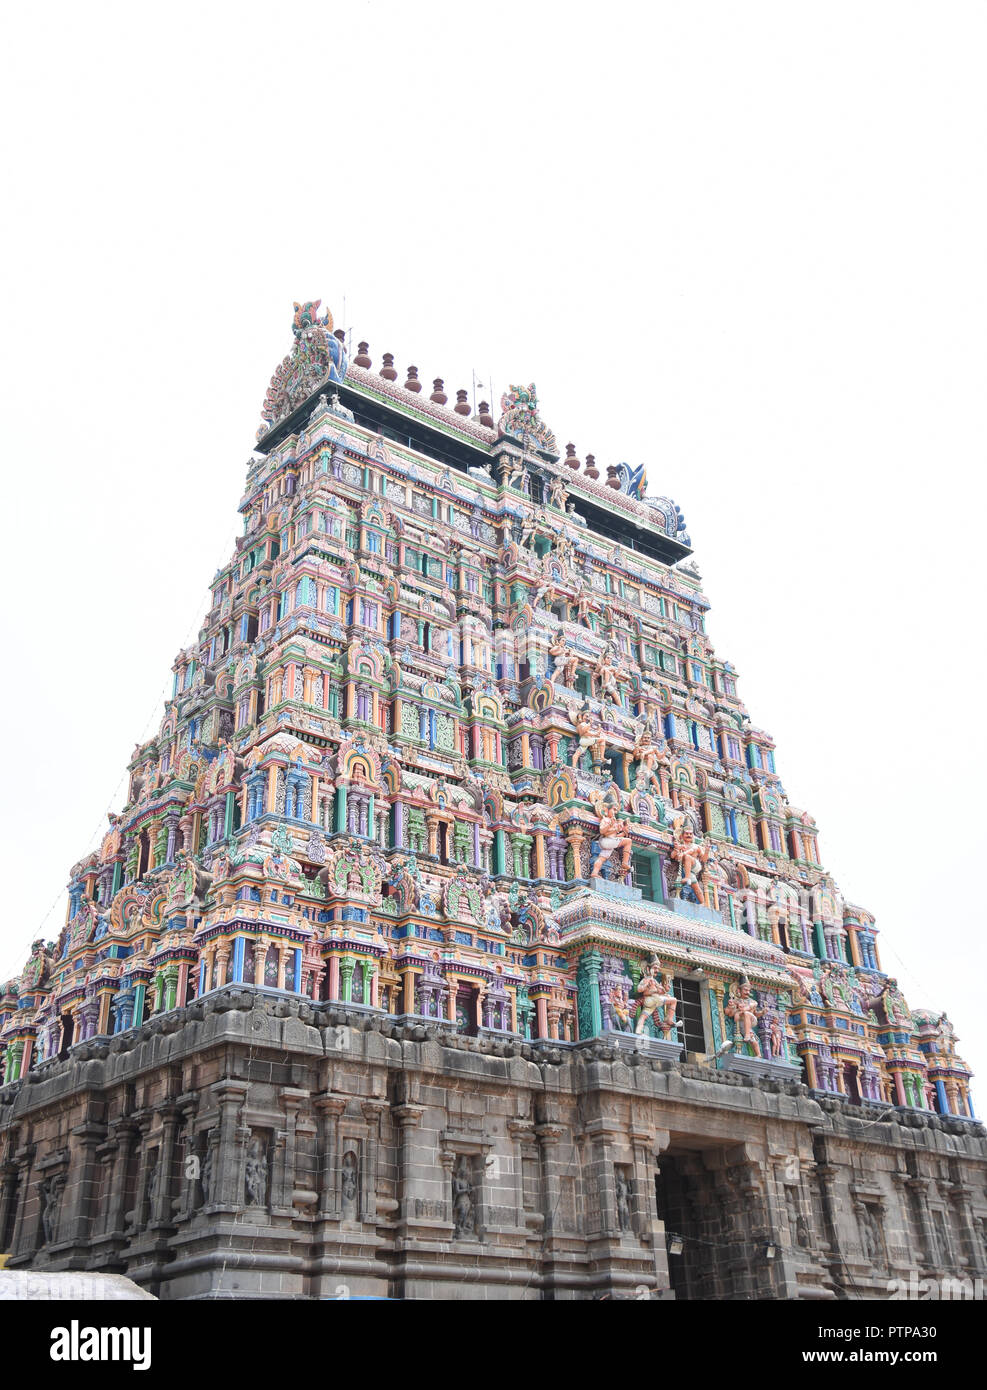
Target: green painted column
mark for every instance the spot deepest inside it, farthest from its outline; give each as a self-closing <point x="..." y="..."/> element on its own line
<point x="339" y="810"/>
<point x="117" y="878"/>
<point x="15" y="1055"/>
<point x="347" y="965"/>
<point x="588" y="985"/>
<point x="499" y="852"/>
<point x="228" y="825"/>
<point x="140" y="993"/>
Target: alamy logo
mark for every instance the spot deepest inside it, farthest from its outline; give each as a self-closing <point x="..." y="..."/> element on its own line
<point x="75" y="1343"/>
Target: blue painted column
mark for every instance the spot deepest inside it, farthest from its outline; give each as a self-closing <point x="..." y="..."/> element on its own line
<point x="239" y="951"/>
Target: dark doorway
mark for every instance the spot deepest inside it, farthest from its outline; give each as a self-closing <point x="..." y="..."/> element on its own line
<point x="690" y="1013"/>
<point x="850" y="1082"/>
<point x="68" y="1031"/>
<point x="466" y="1010"/>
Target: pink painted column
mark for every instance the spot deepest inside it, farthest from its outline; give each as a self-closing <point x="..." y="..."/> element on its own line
<point x="542" y="1014"/>
<point x="333" y="977"/>
<point x="899" y="1089"/>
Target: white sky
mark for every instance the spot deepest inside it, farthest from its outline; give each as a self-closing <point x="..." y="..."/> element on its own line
<point x="741" y="243"/>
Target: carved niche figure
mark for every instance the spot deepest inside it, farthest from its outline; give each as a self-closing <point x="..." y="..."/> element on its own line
<point x="255" y="1177"/>
<point x="800" y="1229"/>
<point x="350" y="1184"/>
<point x="463" y="1199"/>
<point x="207" y="1177"/>
<point x="868" y="1233"/>
<point x="623" y="1199"/>
<point x="51" y="1198"/>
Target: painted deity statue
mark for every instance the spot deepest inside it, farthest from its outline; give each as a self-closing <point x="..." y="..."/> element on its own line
<point x="653" y="765"/>
<point x="614" y="834"/>
<point x="945" y="1036"/>
<point x="608" y="675"/>
<point x="589" y="736"/>
<point x="566" y="662"/>
<point x="585" y="606"/>
<point x="655" y="999"/>
<point x="691" y="857"/>
<point x="744" y="1011"/>
<point x="621" y="1006"/>
<point x="493" y="911"/>
<point x="556" y="494"/>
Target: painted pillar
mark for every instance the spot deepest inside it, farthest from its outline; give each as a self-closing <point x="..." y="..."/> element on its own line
<point x="540" y="870"/>
<point x="854" y="948"/>
<point x="346" y="968"/>
<point x="541" y="1006"/>
<point x="339" y="805"/>
<point x="333" y="977"/>
<point x="500" y="859"/>
<point x="899" y="1088"/>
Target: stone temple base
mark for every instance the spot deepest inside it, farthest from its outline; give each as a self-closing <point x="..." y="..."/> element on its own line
<point x="760" y="1066"/>
<point x="651" y="1047"/>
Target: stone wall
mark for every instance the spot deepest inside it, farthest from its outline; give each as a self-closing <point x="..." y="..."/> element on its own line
<point x="257" y="1145"/>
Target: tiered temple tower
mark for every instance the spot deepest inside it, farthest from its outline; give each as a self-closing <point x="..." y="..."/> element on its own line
<point x="452" y="903"/>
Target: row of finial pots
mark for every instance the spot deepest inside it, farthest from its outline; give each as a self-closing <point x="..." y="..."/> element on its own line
<point x="462" y="407"/>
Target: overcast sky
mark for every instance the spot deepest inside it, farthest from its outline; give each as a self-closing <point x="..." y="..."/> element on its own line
<point x="742" y="244"/>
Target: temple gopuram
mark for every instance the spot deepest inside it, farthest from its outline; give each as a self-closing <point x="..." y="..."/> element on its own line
<point x="458" y="937"/>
